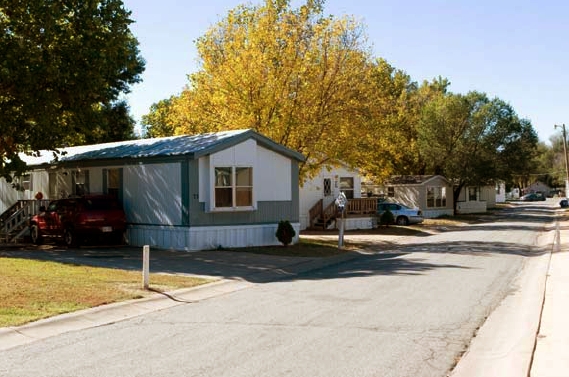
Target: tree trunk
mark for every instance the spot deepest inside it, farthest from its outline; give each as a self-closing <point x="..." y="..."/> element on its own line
<point x="455" y="194"/>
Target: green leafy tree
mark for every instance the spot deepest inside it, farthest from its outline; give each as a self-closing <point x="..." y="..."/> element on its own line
<point x="63" y="64"/>
<point x="111" y="123"/>
<point x="158" y="122"/>
<point x="473" y="140"/>
<point x="546" y="164"/>
<point x="390" y="144"/>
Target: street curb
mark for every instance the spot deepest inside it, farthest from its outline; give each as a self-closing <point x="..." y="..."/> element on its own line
<point x="505" y="348"/>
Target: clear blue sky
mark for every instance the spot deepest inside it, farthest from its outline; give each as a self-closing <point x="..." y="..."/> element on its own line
<point x="515" y="50"/>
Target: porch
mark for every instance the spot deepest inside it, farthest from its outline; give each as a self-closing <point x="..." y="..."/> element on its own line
<point x="14" y="221"/>
<point x="321" y="217"/>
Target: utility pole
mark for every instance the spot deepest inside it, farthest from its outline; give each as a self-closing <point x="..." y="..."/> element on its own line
<point x="566" y="158"/>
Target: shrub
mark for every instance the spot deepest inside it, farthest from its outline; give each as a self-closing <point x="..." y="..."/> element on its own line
<point x="285" y="232"/>
<point x="386" y="218"/>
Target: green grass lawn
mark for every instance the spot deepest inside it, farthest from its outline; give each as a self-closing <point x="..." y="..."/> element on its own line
<point x="32" y="290"/>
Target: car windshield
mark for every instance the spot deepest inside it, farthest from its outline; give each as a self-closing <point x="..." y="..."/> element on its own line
<point x="101" y="204"/>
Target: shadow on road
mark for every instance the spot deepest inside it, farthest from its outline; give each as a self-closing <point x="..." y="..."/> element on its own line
<point x="383" y="258"/>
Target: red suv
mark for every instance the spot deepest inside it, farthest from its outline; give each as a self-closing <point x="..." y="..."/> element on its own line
<point x="75" y="219"/>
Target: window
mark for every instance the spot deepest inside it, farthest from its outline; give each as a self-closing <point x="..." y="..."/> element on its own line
<point x="233" y="187"/>
<point x="472" y="191"/>
<point x="436" y="197"/>
<point x="80" y="182"/>
<point x="347" y="186"/>
<point x="27" y="182"/>
<point x="391" y="192"/>
<point x="113" y="182"/>
<point x="327" y="187"/>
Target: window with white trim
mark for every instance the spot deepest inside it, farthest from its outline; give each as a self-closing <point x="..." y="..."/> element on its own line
<point x="347" y="186"/>
<point x="26" y="182"/>
<point x="436" y="197"/>
<point x="233" y="187"/>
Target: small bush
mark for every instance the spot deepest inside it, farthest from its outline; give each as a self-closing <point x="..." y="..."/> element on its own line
<point x="285" y="232"/>
<point x="386" y="218"/>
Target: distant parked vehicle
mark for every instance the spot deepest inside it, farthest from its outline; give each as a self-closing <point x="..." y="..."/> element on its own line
<point x="402" y="215"/>
<point x="75" y="219"/>
<point x="564" y="203"/>
<point x="533" y="197"/>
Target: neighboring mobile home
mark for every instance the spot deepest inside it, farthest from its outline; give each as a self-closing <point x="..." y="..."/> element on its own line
<point x="317" y="196"/>
<point x="218" y="190"/>
<point x="476" y="199"/>
<point x="432" y="194"/>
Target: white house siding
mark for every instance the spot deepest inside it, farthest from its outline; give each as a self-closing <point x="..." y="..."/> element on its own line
<point x="271" y="172"/>
<point x="311" y="190"/>
<point x="9" y="195"/>
<point x="409" y="195"/>
<point x="415" y="195"/>
<point x="488" y="194"/>
<point x="152" y="194"/>
<point x="500" y="192"/>
<point x="96" y="180"/>
<point x="272" y="179"/>
<point x="486" y="198"/>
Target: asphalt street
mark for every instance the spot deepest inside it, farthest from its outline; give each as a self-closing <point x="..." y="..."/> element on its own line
<point x="411" y="310"/>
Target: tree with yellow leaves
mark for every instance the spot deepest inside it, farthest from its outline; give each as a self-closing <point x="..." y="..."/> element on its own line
<point x="294" y="75"/>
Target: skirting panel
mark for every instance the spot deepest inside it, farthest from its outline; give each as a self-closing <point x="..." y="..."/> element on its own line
<point x="434" y="213"/>
<point x="470" y="207"/>
<point x="354" y="223"/>
<point x="205" y="238"/>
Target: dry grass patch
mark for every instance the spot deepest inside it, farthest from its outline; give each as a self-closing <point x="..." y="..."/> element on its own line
<point x="31" y="290"/>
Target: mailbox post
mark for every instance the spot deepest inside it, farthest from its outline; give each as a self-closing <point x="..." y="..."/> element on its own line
<point x="341" y="202"/>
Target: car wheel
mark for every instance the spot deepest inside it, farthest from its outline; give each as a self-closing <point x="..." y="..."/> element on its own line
<point x="70" y="238"/>
<point x="402" y="220"/>
<point x="35" y="234"/>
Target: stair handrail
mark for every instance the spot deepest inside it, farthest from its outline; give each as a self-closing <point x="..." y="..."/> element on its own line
<point x="315" y="212"/>
<point x="18" y="214"/>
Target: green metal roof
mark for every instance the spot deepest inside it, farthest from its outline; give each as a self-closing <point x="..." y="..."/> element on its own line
<point x="192" y="146"/>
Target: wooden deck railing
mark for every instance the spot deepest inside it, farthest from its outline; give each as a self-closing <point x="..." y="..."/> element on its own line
<point x="355" y="207"/>
<point x="361" y="206"/>
<point x="15" y="218"/>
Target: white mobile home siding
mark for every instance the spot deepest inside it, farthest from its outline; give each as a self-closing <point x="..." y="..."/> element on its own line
<point x="273" y="176"/>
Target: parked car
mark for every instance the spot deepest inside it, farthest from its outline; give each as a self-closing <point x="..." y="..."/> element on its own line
<point x="402" y="215"/>
<point x="533" y="197"/>
<point x="76" y="219"/>
<point x="564" y="203"/>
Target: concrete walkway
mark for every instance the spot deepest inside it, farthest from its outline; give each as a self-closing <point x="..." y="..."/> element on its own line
<point x="551" y="356"/>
